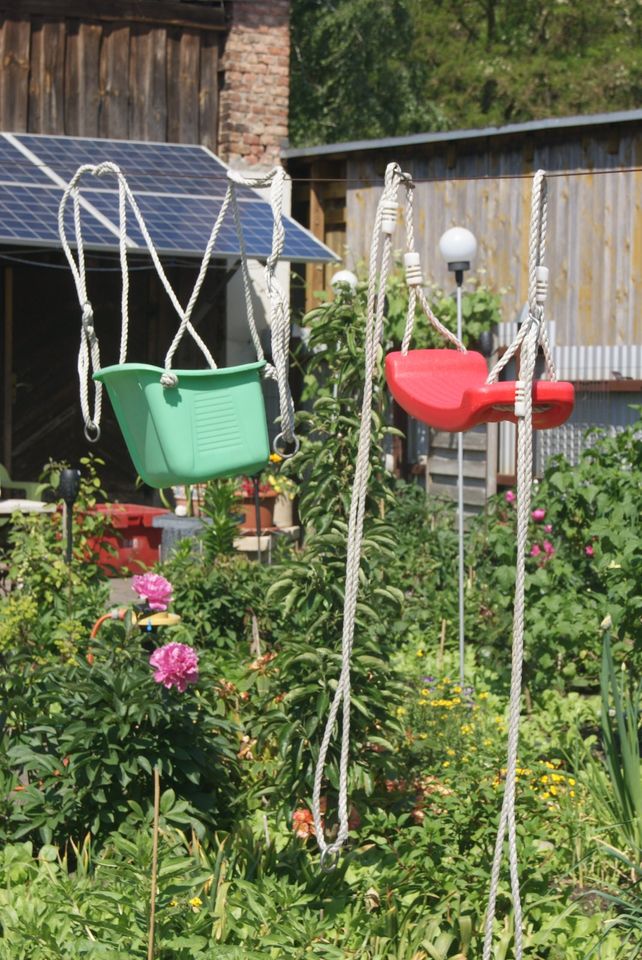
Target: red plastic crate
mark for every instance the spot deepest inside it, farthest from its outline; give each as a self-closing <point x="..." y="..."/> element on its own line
<point x="135" y="542"/>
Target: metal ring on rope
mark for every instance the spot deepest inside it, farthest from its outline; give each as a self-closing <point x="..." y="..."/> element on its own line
<point x="286" y="454"/>
<point x="329" y="860"/>
<point x="92" y="437"/>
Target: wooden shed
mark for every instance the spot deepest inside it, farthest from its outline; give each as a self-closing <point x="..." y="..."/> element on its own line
<point x="481" y="179"/>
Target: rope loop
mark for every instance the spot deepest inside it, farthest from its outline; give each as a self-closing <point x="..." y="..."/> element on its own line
<point x="379" y="270"/>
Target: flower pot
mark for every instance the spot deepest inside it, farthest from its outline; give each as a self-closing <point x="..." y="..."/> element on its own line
<point x="267" y="503"/>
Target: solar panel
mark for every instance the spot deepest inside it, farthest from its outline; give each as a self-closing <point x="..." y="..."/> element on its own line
<point x="179" y="189"/>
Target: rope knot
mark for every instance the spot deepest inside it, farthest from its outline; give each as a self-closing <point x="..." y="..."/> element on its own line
<point x="169" y="379"/>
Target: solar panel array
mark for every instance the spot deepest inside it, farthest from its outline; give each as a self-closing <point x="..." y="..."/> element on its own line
<point x="179" y="190"/>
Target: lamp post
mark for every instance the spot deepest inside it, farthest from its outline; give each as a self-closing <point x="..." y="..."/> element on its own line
<point x="458" y="246"/>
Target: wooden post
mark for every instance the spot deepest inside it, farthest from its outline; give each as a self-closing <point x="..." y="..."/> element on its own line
<point x="7" y="407"/>
<point x="314" y="272"/>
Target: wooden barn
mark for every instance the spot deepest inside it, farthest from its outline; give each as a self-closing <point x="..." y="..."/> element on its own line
<point x="480" y="179"/>
<point x="200" y="72"/>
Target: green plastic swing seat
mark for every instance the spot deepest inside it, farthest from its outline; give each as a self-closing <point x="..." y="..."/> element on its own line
<point x="212" y="424"/>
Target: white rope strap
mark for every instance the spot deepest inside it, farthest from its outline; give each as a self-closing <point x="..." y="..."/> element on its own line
<point x="530" y="337"/>
<point x="89" y="350"/>
<point x="374" y="322"/>
<point x="414" y="281"/>
<point x="537" y="284"/>
<point x="279" y="315"/>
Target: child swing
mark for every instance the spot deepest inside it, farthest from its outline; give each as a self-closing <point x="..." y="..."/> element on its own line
<point x="449" y="390"/>
<point x="185" y="426"/>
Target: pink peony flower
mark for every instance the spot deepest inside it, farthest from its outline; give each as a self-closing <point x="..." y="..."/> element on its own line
<point x="175" y="665"/>
<point x="535" y="550"/>
<point x="510" y="497"/>
<point x="549" y="549"/>
<point x="538" y="514"/>
<point x="589" y="551"/>
<point x="548" y="528"/>
<point x="153" y="588"/>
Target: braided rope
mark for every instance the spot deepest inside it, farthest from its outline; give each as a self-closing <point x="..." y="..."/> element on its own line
<point x="415" y="291"/>
<point x="529" y="338"/>
<point x="342" y="695"/>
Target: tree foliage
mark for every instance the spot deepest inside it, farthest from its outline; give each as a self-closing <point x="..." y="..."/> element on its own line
<point x="363" y="70"/>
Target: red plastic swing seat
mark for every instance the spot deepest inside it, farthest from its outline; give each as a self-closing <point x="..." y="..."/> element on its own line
<point x="447" y="390"/>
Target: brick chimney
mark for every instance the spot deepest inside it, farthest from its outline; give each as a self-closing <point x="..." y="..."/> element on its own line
<point x="254" y="99"/>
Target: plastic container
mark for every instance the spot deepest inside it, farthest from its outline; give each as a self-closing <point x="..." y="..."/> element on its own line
<point x="131" y="534"/>
<point x="212" y="424"/>
<point x="172" y="529"/>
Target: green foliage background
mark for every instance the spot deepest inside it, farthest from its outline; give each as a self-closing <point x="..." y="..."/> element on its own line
<point x="361" y="69"/>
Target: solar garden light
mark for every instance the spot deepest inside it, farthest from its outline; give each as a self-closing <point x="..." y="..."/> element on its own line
<point x="68" y="488"/>
<point x="458" y="246"/>
<point x="344" y="277"/>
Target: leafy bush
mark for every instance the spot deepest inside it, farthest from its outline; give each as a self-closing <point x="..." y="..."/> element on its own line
<point x="82" y="739"/>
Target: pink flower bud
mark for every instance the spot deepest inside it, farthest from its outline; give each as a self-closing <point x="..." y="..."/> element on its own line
<point x="535" y="550"/>
<point x="589" y="551"/>
<point x="549" y="549"/>
<point x="510" y="497"/>
<point x="538" y="514"/>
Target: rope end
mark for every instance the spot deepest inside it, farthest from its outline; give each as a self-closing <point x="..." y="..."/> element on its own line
<point x="169" y="379"/>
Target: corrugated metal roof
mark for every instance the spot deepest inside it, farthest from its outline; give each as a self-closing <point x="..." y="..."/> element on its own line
<point x="449" y="136"/>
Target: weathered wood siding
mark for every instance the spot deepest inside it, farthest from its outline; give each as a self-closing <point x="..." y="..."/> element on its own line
<point x="594" y="227"/>
<point x="139" y="71"/>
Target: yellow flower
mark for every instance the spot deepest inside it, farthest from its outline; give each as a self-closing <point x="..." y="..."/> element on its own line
<point x="195" y="903"/>
<point x="425" y="692"/>
<point x="556" y="778"/>
<point x="173" y="903"/>
<point x="553" y="791"/>
<point x="544" y="779"/>
<point x="422" y="703"/>
<point x="450" y="752"/>
<point x="420" y="653"/>
<point x="446" y="763"/>
<point x="423" y="736"/>
<point x="549" y="765"/>
<point x="275" y="458"/>
<point x="488" y="743"/>
<point x="571" y="793"/>
<point x="571" y="781"/>
<point x="456" y="689"/>
<point x="401" y="711"/>
<point x="482" y="696"/>
<point x="466" y="728"/>
<point x="545" y="796"/>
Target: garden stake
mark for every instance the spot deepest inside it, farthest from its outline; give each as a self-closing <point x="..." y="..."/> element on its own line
<point x="152" y="905"/>
<point x="257" y="513"/>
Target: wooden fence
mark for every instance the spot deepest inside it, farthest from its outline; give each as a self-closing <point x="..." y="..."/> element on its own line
<point x="128" y="70"/>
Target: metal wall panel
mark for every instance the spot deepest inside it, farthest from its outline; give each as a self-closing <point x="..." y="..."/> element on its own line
<point x="594" y="230"/>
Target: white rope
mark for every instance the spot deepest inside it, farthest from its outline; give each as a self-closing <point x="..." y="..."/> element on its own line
<point x="414" y="282"/>
<point x="530" y="336"/>
<point x="279" y="316"/>
<point x="374" y="325"/>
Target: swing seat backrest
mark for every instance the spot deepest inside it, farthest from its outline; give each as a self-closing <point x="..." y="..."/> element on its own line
<point x="447" y="390"/>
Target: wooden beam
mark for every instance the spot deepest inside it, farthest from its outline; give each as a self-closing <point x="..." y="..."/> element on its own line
<point x="167" y="14"/>
<point x="314" y="272"/>
<point x="7" y="406"/>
